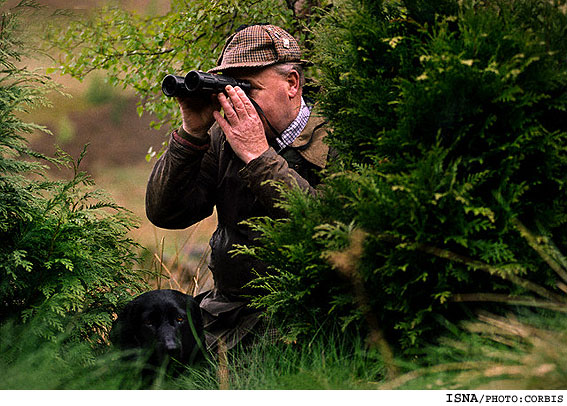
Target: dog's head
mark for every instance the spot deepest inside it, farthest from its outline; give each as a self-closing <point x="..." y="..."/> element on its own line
<point x="162" y="323"/>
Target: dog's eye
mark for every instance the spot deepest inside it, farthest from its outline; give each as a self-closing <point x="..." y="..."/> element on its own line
<point x="179" y="319"/>
<point x="148" y="323"/>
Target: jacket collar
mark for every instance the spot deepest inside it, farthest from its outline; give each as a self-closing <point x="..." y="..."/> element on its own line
<point x="310" y="142"/>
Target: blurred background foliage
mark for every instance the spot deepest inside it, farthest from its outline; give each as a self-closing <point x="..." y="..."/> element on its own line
<point x="137" y="50"/>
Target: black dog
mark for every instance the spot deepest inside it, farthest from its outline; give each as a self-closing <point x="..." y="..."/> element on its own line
<point x="162" y="325"/>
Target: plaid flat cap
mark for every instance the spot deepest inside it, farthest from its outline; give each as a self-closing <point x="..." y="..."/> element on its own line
<point x="258" y="46"/>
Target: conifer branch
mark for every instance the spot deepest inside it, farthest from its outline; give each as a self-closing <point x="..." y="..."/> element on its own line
<point x="546" y="251"/>
<point x="493" y="270"/>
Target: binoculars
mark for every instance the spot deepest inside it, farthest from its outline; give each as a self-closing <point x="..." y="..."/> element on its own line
<point x="199" y="83"/>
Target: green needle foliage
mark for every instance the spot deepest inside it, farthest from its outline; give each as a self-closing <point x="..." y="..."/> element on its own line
<point x="66" y="261"/>
<point x="451" y="118"/>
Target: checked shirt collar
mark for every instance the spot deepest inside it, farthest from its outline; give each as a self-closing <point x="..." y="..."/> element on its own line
<point x="296" y="127"/>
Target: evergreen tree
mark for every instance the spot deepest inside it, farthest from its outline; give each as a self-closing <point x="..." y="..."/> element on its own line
<point x="451" y="119"/>
<point x="66" y="261"/>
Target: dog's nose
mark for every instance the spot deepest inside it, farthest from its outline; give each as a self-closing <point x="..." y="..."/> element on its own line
<point x="170" y="344"/>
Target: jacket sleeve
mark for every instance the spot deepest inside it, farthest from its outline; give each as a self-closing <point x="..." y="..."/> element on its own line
<point x="181" y="187"/>
<point x="261" y="173"/>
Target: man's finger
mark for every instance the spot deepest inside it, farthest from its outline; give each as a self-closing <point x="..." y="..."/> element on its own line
<point x="224" y="125"/>
<point x="250" y="109"/>
<point x="236" y="100"/>
<point x="229" y="112"/>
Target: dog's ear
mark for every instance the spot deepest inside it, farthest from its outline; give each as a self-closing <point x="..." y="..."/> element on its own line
<point x="122" y="333"/>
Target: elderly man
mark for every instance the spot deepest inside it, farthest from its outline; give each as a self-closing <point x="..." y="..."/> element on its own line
<point x="269" y="134"/>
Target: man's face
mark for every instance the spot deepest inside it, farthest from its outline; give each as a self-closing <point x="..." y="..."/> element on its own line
<point x="274" y="93"/>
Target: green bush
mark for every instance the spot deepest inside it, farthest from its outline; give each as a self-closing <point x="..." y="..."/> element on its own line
<point x="451" y="118"/>
<point x="66" y="261"/>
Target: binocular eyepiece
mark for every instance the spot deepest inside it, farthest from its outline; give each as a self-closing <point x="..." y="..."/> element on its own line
<point x="199" y="83"/>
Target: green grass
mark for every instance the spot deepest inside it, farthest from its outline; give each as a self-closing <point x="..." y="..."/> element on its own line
<point x="523" y="350"/>
<point x="494" y="352"/>
<point x="30" y="363"/>
<point x="326" y="363"/>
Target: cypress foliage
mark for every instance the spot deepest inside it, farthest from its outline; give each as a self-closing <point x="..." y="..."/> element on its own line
<point x="451" y="119"/>
<point x="65" y="255"/>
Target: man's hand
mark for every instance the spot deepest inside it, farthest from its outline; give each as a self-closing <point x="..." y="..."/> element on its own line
<point x="241" y="124"/>
<point x="197" y="115"/>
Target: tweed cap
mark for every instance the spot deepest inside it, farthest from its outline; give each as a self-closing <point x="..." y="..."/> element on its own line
<point x="258" y="46"/>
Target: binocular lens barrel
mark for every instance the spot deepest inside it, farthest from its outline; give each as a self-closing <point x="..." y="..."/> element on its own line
<point x="199" y="83"/>
<point x="173" y="85"/>
<point x="206" y="82"/>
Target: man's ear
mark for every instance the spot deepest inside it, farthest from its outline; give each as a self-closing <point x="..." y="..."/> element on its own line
<point x="293" y="83"/>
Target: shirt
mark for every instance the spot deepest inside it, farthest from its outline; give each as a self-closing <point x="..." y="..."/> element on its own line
<point x="296" y="127"/>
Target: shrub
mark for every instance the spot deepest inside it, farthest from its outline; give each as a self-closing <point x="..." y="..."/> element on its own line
<point x="65" y="255"/>
<point x="450" y="117"/>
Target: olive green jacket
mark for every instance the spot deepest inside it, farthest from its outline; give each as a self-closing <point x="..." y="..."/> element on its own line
<point x="190" y="179"/>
